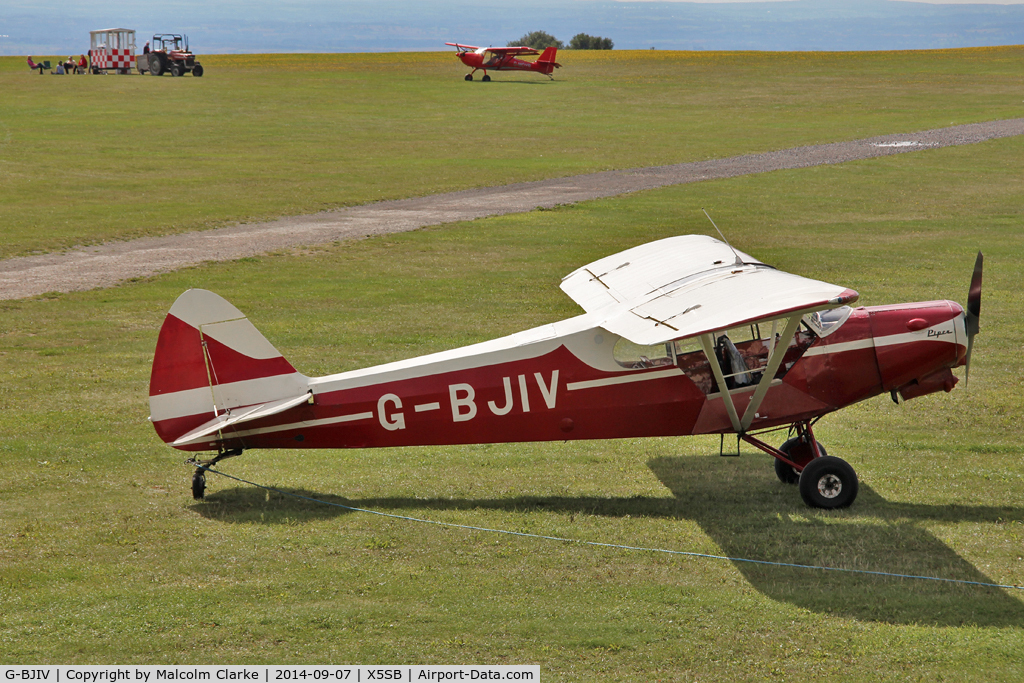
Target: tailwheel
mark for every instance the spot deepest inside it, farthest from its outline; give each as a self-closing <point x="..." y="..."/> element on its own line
<point x="199" y="484"/>
<point x="199" y="476"/>
<point x="828" y="483"/>
<point x="469" y="77"/>
<point x="799" y="450"/>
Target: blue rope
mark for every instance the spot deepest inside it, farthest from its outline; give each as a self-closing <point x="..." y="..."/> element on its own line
<point x="685" y="553"/>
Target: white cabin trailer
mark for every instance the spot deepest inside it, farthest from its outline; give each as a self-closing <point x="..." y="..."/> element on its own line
<point x="112" y="49"/>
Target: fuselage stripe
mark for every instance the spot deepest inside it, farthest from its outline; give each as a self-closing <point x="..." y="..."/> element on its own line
<point x="623" y="379"/>
<point x="298" y="425"/>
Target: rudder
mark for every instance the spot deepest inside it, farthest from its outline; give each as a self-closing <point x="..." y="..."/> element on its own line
<point x="547" y="60"/>
<point x="210" y="359"/>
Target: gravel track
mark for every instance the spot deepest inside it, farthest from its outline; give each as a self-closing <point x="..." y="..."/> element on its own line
<point x="105" y="265"/>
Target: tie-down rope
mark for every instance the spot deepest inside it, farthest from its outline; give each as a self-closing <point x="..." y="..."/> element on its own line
<point x="686" y="553"/>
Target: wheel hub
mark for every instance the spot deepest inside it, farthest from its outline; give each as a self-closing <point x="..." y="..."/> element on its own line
<point x="830" y="486"/>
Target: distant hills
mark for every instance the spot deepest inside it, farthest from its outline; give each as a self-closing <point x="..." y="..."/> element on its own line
<point x="234" y="26"/>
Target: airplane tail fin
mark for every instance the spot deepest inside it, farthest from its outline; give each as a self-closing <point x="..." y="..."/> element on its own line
<point x="547" y="60"/>
<point x="210" y="361"/>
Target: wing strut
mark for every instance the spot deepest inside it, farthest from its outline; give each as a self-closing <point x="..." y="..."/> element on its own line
<point x="776" y="356"/>
<point x="708" y="342"/>
<point x="774" y="361"/>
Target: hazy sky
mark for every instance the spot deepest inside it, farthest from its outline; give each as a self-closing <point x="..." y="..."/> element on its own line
<point x="54" y="27"/>
<point x="926" y="2"/>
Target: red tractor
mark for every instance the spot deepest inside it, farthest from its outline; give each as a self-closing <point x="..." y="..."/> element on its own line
<point x="169" y="52"/>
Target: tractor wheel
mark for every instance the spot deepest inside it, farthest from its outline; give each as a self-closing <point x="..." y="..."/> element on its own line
<point x="177" y="70"/>
<point x="197" y="70"/>
<point x="156" y="67"/>
<point x="486" y="79"/>
<point x="828" y="483"/>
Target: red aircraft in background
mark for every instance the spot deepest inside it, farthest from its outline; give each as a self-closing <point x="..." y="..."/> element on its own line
<point x="505" y="59"/>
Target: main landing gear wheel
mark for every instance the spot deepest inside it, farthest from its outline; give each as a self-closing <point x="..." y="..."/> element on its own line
<point x="799" y="452"/>
<point x="828" y="483"/>
<point x="469" y="77"/>
<point x="199" y="484"/>
<point x="486" y="79"/>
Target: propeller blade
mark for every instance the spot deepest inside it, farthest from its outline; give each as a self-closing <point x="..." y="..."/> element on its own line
<point x="972" y="315"/>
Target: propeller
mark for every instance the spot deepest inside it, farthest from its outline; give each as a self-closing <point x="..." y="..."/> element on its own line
<point x="973" y="313"/>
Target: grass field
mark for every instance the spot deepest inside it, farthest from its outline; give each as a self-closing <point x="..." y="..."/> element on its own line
<point x="105" y="558"/>
<point x="88" y="159"/>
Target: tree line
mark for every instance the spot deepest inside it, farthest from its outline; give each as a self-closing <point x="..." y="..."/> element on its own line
<point x="540" y="40"/>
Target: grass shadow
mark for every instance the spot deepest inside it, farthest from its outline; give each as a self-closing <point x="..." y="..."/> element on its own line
<point x="520" y="82"/>
<point x="743" y="507"/>
<point x="749" y="514"/>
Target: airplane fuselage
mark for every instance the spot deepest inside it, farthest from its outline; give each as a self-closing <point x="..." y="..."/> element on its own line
<point x="569" y="380"/>
<point x="475" y="60"/>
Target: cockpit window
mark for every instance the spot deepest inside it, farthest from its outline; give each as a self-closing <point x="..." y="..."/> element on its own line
<point x="635" y="357"/>
<point x="742" y="352"/>
<point x="825" y="323"/>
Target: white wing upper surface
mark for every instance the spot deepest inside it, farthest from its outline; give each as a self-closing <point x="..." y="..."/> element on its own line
<point x="688" y="285"/>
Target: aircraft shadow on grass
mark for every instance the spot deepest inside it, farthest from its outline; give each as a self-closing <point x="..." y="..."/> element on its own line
<point x="749" y="514"/>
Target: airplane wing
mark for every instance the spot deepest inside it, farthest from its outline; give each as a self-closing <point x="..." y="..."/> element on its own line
<point x="521" y="50"/>
<point x="463" y="47"/>
<point x="689" y="285"/>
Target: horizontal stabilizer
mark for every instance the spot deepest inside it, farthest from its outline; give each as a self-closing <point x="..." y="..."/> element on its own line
<point x="247" y="414"/>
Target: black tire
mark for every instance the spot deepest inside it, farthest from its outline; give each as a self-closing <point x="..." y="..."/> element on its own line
<point x="156" y="65"/>
<point x="199" y="484"/>
<point x="469" y="77"/>
<point x="828" y="483"/>
<point x="486" y="79"/>
<point x="197" y="70"/>
<point x="785" y="473"/>
<point x="177" y="70"/>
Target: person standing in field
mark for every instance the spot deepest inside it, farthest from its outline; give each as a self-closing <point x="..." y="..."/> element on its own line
<point x="145" y="48"/>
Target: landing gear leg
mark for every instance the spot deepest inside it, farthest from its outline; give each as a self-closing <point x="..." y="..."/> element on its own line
<point x="824" y="481"/>
<point x="799" y="449"/>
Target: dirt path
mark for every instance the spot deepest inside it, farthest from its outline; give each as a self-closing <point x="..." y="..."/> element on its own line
<point x="107" y="264"/>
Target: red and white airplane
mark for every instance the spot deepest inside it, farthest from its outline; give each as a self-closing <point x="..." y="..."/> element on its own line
<point x="505" y="59"/>
<point x="681" y="336"/>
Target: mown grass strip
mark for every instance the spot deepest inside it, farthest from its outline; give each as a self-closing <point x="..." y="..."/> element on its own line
<point x="87" y="159"/>
<point x="96" y="524"/>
